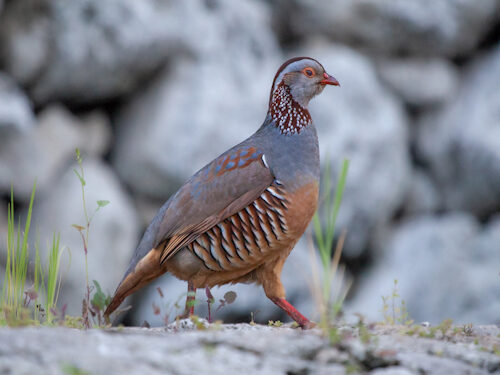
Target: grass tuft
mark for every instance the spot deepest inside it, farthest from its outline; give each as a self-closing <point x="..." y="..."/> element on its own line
<point x="20" y="305"/>
<point x="16" y="268"/>
<point x="324" y="238"/>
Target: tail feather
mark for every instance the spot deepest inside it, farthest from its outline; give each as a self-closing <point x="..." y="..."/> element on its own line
<point x="147" y="269"/>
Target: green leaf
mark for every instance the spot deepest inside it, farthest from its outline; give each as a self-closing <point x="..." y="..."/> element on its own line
<point x="102" y="203"/>
<point x="99" y="299"/>
<point x="82" y="181"/>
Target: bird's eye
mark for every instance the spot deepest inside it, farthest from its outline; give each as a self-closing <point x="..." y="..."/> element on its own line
<point x="309" y="72"/>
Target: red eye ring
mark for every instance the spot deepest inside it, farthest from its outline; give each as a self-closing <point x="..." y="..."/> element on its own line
<point x="308" y="72"/>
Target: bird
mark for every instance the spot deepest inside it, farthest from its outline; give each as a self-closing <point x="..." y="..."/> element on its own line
<point x="237" y="219"/>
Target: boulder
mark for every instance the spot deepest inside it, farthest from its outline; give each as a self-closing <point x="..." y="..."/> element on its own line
<point x="461" y="143"/>
<point x="431" y="27"/>
<point x="420" y="82"/>
<point x="221" y="349"/>
<point x="363" y="122"/>
<point x="113" y="230"/>
<point x="43" y="152"/>
<point x="16" y="114"/>
<point x="446" y="267"/>
<point x="201" y="105"/>
<point x="423" y="195"/>
<point x="87" y="51"/>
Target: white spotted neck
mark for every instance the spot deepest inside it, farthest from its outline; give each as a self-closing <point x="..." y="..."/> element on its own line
<point x="288" y="115"/>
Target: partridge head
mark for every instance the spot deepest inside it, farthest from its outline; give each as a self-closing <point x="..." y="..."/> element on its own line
<point x="297" y="81"/>
<point x="238" y="218"/>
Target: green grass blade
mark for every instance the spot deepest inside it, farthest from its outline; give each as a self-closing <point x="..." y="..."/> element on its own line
<point x="52" y="277"/>
<point x="17" y="260"/>
<point x="28" y="219"/>
<point x="318" y="232"/>
<point x="339" y="192"/>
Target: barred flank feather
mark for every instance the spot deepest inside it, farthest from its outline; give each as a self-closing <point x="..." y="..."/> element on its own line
<point x="246" y="236"/>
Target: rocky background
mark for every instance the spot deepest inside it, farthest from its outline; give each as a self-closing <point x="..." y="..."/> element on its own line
<point x="151" y="90"/>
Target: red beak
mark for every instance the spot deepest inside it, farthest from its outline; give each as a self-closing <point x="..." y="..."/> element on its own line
<point x="329" y="80"/>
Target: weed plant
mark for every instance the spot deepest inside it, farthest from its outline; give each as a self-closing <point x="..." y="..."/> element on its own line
<point x="394" y="308"/>
<point x="91" y="307"/>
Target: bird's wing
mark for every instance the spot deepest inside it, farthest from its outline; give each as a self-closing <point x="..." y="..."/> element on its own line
<point x="217" y="191"/>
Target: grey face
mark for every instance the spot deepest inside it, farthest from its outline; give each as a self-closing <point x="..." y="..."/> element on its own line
<point x="306" y="79"/>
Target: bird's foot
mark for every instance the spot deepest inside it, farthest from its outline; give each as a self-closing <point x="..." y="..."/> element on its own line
<point x="308" y="325"/>
<point x="293" y="313"/>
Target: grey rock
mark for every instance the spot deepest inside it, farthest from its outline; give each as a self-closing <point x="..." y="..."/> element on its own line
<point x="423" y="195"/>
<point x="113" y="230"/>
<point x="229" y="349"/>
<point x="435" y="355"/>
<point x="15" y="108"/>
<point x="146" y="208"/>
<point x="461" y="143"/>
<point x="43" y="152"/>
<point x="88" y="51"/>
<point x="140" y="352"/>
<point x="393" y="370"/>
<point x="199" y="106"/>
<point x="446" y="267"/>
<point x="96" y="133"/>
<point x="422" y="363"/>
<point x="442" y="27"/>
<point x="420" y="82"/>
<point x="363" y="122"/>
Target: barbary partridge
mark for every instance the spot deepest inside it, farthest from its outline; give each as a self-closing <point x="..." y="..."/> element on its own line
<point x="237" y="219"/>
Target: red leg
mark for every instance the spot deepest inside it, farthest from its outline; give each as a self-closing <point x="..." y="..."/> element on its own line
<point x="293" y="313"/>
<point x="210" y="301"/>
<point x="190" y="299"/>
<point x="189" y="309"/>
